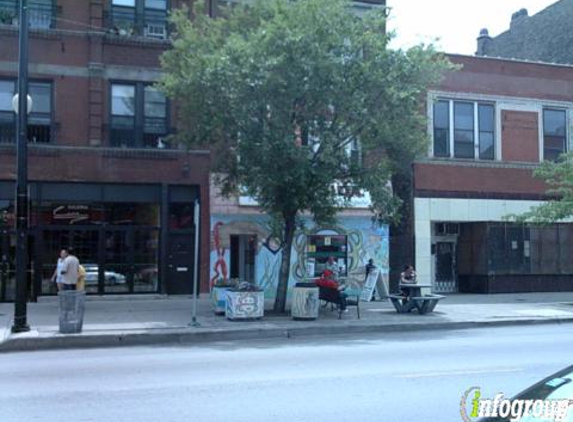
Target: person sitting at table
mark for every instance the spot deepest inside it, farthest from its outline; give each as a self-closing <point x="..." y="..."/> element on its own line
<point x="327" y="281"/>
<point x="408" y="276"/>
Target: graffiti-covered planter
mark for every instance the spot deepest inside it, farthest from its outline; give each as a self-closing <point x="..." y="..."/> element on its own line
<point x="219" y="298"/>
<point x="242" y="305"/>
<point x="305" y="301"/>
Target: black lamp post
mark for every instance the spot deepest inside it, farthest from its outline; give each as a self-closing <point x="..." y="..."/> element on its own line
<point x="20" y="318"/>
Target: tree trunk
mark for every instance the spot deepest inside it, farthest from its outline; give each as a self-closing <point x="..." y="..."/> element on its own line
<point x="290" y="227"/>
<point x="402" y="234"/>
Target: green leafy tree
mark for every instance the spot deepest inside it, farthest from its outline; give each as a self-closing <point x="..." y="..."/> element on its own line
<point x="558" y="176"/>
<point x="282" y="90"/>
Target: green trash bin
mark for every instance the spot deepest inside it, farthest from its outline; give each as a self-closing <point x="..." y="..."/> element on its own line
<point x="72" y="305"/>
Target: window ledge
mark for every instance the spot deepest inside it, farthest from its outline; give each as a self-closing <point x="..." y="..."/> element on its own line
<point x="137" y="40"/>
<point x="477" y="163"/>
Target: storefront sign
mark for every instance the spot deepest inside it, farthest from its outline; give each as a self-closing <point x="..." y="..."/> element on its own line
<point x="71" y="213"/>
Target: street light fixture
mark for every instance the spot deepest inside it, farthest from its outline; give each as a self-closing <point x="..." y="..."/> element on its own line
<point x="23" y="108"/>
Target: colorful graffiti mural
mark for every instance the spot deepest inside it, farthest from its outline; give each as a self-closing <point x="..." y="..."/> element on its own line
<point x="363" y="242"/>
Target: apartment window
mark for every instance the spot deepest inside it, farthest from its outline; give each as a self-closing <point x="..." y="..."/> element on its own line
<point x="464" y="129"/>
<point x="140" y="17"/>
<point x="486" y="124"/>
<point x="442" y="129"/>
<point x="138" y="116"/>
<point x="39" y="119"/>
<point x="554" y="133"/>
<point x="40" y="13"/>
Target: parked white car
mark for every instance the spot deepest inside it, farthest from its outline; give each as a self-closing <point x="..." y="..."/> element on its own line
<point x="111" y="277"/>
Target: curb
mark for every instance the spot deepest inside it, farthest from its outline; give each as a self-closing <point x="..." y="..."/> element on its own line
<point x="193" y="336"/>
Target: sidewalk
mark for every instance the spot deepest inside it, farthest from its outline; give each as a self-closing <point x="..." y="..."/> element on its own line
<point x="138" y="320"/>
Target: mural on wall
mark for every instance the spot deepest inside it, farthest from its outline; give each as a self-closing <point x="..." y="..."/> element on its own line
<point x="363" y="242"/>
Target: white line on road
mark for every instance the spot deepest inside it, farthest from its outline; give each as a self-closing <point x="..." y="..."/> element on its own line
<point x="457" y="373"/>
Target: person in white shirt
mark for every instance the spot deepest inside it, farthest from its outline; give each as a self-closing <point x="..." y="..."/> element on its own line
<point x="70" y="270"/>
<point x="57" y="276"/>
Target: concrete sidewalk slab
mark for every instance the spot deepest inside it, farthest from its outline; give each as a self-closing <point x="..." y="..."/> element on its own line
<point x="144" y="320"/>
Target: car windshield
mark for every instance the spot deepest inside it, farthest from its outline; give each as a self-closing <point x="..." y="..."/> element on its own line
<point x="556" y="387"/>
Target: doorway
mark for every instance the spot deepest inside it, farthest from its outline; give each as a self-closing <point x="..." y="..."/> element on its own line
<point x="180" y="264"/>
<point x="446" y="272"/>
<point x="243" y="251"/>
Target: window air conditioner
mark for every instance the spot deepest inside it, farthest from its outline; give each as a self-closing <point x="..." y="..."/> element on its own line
<point x="156" y="31"/>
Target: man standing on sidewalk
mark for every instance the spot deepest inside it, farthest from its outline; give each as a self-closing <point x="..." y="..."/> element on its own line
<point x="70" y="270"/>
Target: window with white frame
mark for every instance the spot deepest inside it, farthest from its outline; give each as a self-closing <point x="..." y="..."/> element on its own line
<point x="554" y="133"/>
<point x="140" y="17"/>
<point x="464" y="129"/>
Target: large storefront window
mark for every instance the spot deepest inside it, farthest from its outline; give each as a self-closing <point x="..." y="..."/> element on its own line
<point x="321" y="247"/>
<point x="117" y="243"/>
<point x="517" y="249"/>
<point x="115" y="230"/>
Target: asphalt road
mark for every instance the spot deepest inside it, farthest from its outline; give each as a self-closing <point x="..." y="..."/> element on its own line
<point x="387" y="378"/>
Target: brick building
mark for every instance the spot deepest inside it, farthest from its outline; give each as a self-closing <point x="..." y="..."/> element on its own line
<point x="546" y="36"/>
<point x="102" y="175"/>
<point x="491" y="124"/>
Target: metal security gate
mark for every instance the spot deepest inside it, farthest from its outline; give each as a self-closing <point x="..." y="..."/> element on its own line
<point x="446" y="273"/>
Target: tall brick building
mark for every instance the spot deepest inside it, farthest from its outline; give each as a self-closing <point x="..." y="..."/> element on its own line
<point x="103" y="177"/>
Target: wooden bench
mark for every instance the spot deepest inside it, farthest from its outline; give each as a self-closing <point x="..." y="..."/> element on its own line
<point x="424" y="304"/>
<point x="332" y="296"/>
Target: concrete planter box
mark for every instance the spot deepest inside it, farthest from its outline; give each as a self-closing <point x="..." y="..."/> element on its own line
<point x="245" y="305"/>
<point x="219" y="299"/>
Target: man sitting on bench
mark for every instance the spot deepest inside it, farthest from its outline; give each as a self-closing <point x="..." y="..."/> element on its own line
<point x="327" y="281"/>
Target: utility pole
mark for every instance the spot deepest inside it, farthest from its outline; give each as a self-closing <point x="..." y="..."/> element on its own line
<point x="20" y="317"/>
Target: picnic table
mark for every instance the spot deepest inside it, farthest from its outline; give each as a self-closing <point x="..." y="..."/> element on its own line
<point x="414" y="299"/>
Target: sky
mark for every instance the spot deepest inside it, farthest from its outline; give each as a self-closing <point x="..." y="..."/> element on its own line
<point x="453" y="25"/>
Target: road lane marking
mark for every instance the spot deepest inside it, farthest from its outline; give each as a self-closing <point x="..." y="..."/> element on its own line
<point x="457" y="373"/>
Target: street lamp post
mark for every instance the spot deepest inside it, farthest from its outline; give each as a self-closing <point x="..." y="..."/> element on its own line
<point x="20" y="318"/>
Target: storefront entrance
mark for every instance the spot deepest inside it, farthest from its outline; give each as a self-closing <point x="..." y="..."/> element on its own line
<point x="129" y="238"/>
<point x="180" y="263"/>
<point x="445" y="267"/>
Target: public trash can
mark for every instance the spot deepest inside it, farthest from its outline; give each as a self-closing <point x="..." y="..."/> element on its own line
<point x="72" y="305"/>
<point x="305" y="301"/>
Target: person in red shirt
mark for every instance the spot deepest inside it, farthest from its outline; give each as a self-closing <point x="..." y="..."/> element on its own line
<point x="327" y="281"/>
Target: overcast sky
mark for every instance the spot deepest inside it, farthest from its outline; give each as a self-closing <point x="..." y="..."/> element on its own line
<point x="454" y="23"/>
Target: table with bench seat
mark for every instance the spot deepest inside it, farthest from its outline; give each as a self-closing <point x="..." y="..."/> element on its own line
<point x="414" y="299"/>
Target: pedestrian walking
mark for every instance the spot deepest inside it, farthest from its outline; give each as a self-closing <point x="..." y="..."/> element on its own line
<point x="57" y="276"/>
<point x="70" y="270"/>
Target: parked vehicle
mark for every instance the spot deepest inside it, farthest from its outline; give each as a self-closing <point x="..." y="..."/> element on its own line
<point x="557" y="387"/>
<point x="110" y="277"/>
